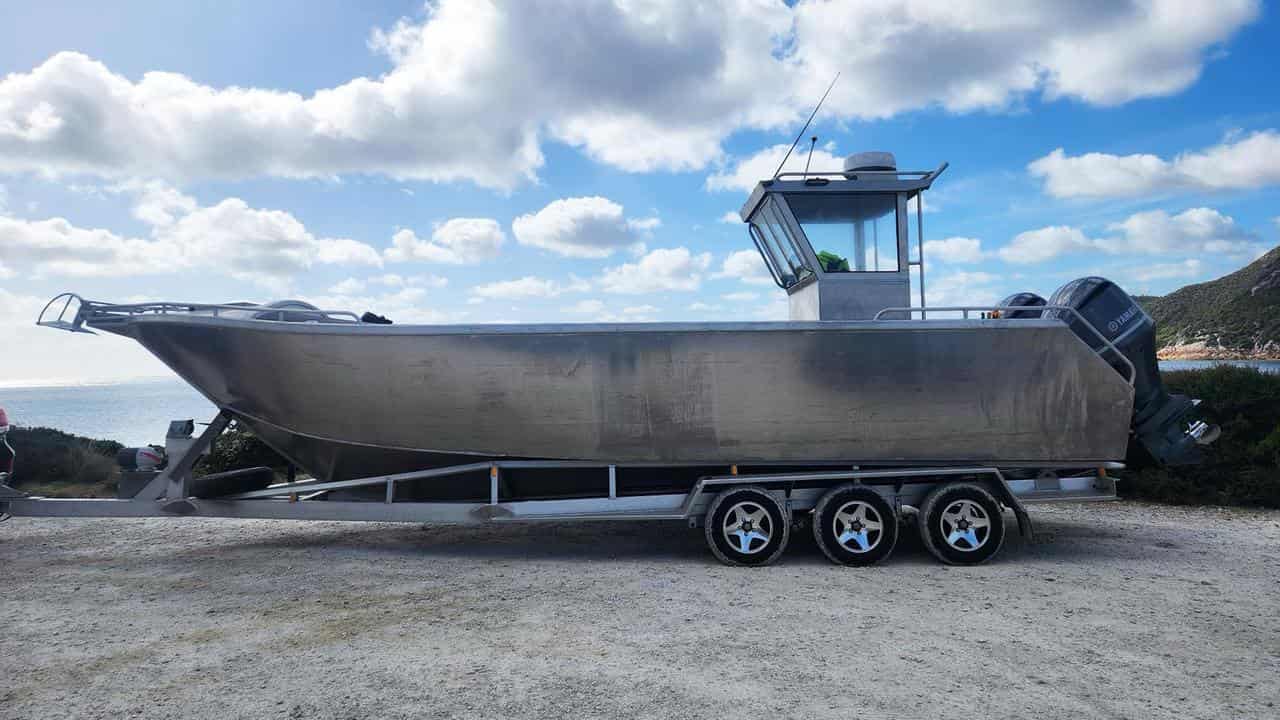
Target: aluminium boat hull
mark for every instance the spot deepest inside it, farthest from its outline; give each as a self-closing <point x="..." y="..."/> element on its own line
<point x="349" y="400"/>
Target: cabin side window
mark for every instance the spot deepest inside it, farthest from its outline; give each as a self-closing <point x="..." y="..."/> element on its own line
<point x="779" y="246"/>
<point x="850" y="232"/>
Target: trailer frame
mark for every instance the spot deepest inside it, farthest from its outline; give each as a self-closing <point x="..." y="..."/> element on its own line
<point x="168" y="493"/>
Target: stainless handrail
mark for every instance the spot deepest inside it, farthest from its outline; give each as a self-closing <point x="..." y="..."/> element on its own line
<point x="844" y="174"/>
<point x="89" y="309"/>
<point x="966" y="309"/>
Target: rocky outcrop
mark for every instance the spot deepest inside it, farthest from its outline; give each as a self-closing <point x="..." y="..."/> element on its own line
<point x="1234" y="317"/>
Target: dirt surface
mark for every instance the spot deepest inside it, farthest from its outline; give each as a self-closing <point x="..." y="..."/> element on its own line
<point x="1120" y="610"/>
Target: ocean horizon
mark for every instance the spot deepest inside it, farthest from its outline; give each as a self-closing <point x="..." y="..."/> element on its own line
<point x="137" y="411"/>
<point x="134" y="411"/>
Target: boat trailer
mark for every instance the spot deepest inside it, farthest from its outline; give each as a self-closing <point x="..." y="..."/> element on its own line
<point x="747" y="514"/>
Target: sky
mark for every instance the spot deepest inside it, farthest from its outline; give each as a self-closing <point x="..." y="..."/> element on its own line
<point x="468" y="161"/>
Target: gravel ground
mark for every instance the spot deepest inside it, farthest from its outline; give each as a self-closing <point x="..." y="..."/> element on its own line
<point x="1119" y="610"/>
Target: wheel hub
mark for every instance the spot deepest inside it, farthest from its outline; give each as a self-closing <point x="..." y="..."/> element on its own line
<point x="857" y="526"/>
<point x="965" y="525"/>
<point x="747" y="527"/>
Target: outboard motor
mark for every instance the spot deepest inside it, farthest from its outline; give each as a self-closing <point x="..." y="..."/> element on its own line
<point x="144" y="459"/>
<point x="1025" y="299"/>
<point x="1158" y="417"/>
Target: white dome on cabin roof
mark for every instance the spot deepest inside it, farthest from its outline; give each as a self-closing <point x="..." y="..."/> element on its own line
<point x="871" y="160"/>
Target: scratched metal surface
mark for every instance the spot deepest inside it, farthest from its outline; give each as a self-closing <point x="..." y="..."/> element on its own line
<point x="862" y="392"/>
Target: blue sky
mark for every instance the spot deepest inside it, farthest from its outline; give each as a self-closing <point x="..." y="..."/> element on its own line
<point x="477" y="162"/>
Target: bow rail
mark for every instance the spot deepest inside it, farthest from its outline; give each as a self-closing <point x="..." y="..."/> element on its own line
<point x="70" y="312"/>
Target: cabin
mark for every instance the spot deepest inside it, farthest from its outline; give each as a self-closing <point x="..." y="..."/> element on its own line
<point x="843" y="244"/>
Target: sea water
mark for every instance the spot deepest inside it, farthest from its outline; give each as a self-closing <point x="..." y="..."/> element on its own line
<point x="137" y="412"/>
<point x="133" y="412"/>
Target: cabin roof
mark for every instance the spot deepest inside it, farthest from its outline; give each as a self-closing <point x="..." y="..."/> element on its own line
<point x="866" y="181"/>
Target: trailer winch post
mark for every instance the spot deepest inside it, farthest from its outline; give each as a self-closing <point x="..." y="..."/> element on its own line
<point x="173" y="482"/>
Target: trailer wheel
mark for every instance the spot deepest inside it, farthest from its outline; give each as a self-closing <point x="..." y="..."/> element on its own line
<point x="854" y="525"/>
<point x="747" y="526"/>
<point x="961" y="524"/>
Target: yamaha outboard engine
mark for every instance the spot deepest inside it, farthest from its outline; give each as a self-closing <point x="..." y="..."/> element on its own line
<point x="1160" y="422"/>
<point x="1024" y="299"/>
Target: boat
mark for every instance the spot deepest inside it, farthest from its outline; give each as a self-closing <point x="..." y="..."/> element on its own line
<point x="860" y="405"/>
<point x="858" y="375"/>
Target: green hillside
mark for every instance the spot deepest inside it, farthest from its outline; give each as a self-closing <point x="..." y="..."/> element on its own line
<point x="1237" y="315"/>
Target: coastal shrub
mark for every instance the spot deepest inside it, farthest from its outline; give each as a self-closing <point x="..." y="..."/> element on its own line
<point x="51" y="457"/>
<point x="238" y="448"/>
<point x="1243" y="466"/>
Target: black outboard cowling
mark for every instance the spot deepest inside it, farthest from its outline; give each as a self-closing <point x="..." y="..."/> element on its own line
<point x="1024" y="299"/>
<point x="1160" y="422"/>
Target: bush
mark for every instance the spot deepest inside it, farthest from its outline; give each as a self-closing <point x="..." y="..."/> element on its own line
<point x="237" y="448"/>
<point x="49" y="457"/>
<point x="1243" y="466"/>
<point x="54" y="463"/>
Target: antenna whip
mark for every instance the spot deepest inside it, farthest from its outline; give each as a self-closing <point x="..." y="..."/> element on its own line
<point x="806" y="125"/>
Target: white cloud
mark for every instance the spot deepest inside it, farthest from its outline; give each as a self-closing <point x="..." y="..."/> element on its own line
<point x="1155" y="232"/>
<point x="264" y="246"/>
<point x="1188" y="268"/>
<point x="969" y="55"/>
<point x="1198" y="230"/>
<point x="746" y="172"/>
<point x="747" y="266"/>
<point x="56" y="247"/>
<point x="777" y="309"/>
<point x="1241" y="164"/>
<point x="394" y="280"/>
<point x="741" y="297"/>
<point x="584" y="307"/>
<point x="704" y="307"/>
<point x="476" y="87"/>
<point x="1036" y="246"/>
<point x="962" y="288"/>
<point x="731" y="217"/>
<point x="584" y="227"/>
<point x="350" y="286"/>
<point x="35" y="354"/>
<point x="403" y="305"/>
<point x="631" y="314"/>
<point x="664" y="269"/>
<point x="644" y="225"/>
<point x="157" y="203"/>
<point x="231" y="238"/>
<point x="954" y="250"/>
<point x="527" y="287"/>
<point x="457" y="241"/>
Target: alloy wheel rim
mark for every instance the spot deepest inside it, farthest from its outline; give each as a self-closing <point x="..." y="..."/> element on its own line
<point x="965" y="526"/>
<point x="858" y="527"/>
<point x="747" y="527"/>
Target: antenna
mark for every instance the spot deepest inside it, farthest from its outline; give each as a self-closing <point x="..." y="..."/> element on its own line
<point x="806" y="125"/>
<point x="812" y="142"/>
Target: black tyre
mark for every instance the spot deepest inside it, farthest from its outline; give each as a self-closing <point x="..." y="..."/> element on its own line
<point x="747" y="526"/>
<point x="961" y="524"/>
<point x="854" y="525"/>
<point x="231" y="482"/>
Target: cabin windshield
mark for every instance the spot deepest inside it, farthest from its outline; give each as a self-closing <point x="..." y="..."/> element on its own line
<point x="778" y="243"/>
<point x="850" y="232"/>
